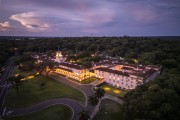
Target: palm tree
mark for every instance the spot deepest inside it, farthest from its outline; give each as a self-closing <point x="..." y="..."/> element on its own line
<point x="99" y="93"/>
<point x="84" y="115"/>
<point x="93" y="100"/>
<point x="16" y="81"/>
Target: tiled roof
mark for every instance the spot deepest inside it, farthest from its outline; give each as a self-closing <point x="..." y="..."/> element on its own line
<point x="64" y="69"/>
<point x="127" y="68"/>
<point x="71" y="65"/>
<point x="112" y="71"/>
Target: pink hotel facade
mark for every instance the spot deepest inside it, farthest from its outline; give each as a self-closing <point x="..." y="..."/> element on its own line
<point x="126" y="76"/>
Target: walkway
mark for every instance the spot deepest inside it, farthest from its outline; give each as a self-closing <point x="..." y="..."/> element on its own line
<point x="75" y="106"/>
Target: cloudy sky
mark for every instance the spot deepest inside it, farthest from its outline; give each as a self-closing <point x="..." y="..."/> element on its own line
<point x="89" y="17"/>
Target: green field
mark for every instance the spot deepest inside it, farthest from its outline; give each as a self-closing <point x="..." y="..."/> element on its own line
<point x="89" y="80"/>
<point x="32" y="93"/>
<point x="57" y="112"/>
<point x="113" y="90"/>
<point x="109" y="110"/>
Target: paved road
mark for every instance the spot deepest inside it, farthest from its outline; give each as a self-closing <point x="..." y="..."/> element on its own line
<point x="75" y="106"/>
<point x="4" y="84"/>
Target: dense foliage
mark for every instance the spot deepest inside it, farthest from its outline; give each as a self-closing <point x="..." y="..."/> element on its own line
<point x="156" y="100"/>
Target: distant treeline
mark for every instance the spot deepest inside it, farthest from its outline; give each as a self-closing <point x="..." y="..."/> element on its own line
<point x="146" y="50"/>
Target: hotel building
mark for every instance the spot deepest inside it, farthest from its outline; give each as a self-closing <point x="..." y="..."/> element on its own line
<point x="127" y="76"/>
<point x="73" y="71"/>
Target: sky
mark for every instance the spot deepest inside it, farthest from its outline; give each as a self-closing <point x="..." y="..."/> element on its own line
<point x="89" y="18"/>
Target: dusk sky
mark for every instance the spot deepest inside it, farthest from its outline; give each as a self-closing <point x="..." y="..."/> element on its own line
<point x="89" y="17"/>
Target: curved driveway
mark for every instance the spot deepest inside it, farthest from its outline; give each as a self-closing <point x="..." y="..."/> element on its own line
<point x="75" y="106"/>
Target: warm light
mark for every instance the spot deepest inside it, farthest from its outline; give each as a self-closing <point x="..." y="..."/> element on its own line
<point x="135" y="60"/>
<point x="30" y="77"/>
<point x="37" y="73"/>
<point x="107" y="88"/>
<point x="117" y="91"/>
<point x="23" y="79"/>
<point x="16" y="75"/>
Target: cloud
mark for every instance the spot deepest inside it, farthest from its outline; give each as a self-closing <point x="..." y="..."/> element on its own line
<point x="101" y="17"/>
<point x="4" y="26"/>
<point x="31" y="21"/>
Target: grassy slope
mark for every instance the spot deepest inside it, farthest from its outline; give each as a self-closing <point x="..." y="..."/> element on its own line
<point x="31" y="92"/>
<point x="57" y="112"/>
<point x="110" y="110"/>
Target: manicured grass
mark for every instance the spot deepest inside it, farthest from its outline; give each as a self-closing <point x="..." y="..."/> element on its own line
<point x="113" y="90"/>
<point x="57" y="112"/>
<point x="89" y="80"/>
<point x="109" y="110"/>
<point x="32" y="93"/>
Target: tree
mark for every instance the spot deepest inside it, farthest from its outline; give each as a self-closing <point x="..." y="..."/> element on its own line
<point x="155" y="100"/>
<point x="170" y="63"/>
<point x="16" y="81"/>
<point x="84" y="115"/>
<point x="93" y="100"/>
<point x="99" y="93"/>
<point x="46" y="66"/>
<point x="86" y="65"/>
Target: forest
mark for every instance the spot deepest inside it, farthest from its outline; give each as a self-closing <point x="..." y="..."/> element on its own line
<point x="158" y="99"/>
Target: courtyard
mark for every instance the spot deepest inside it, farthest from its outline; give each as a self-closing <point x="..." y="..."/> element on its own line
<point x="111" y="90"/>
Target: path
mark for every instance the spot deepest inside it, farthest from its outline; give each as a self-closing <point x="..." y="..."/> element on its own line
<point x="4" y="83"/>
<point x="75" y="106"/>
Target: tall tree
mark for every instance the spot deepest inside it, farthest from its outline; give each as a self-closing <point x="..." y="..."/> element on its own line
<point x="46" y="66"/>
<point x="16" y="81"/>
<point x="93" y="100"/>
<point x="99" y="93"/>
<point x="84" y="115"/>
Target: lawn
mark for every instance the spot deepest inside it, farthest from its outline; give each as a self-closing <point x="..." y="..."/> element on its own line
<point x="89" y="80"/>
<point x="113" y="90"/>
<point x="57" y="112"/>
<point x="109" y="110"/>
<point x="32" y="93"/>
